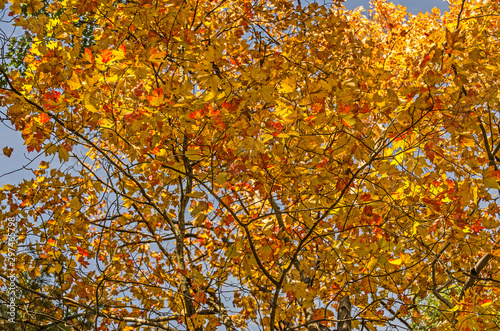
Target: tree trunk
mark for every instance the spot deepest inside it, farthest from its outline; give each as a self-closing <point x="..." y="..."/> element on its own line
<point x="344" y="315"/>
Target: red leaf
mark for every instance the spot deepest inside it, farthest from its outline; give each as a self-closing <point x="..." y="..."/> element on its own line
<point x="44" y="118"/>
<point x="88" y="52"/>
<point x="106" y="55"/>
<point x="82" y="251"/>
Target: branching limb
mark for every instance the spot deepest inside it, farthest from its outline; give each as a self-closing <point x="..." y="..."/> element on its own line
<point x="434" y="287"/>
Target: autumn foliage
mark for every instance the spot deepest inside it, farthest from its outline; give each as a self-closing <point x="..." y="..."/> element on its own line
<point x="234" y="164"/>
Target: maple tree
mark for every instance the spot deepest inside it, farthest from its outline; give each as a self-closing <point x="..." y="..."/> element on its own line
<point x="256" y="164"/>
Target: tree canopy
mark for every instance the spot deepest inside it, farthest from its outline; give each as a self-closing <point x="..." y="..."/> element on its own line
<point x="255" y="164"/>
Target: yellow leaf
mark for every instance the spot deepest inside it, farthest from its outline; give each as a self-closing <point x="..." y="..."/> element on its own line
<point x="89" y="105"/>
<point x="196" y="194"/>
<point x="397" y="261"/>
<point x="372" y="263"/>
<point x="198" y="221"/>
<point x="398" y="158"/>
<point x="491" y="182"/>
<point x="221" y="178"/>
<point x="71" y="264"/>
<point x="8" y="187"/>
<point x="414" y="228"/>
<point x="106" y="123"/>
<point x="466" y="140"/>
<point x="209" y="96"/>
<point x="266" y="137"/>
<point x="210" y="54"/>
<point x="267" y="92"/>
<point x="193" y="156"/>
<point x="75" y="204"/>
<point x="266" y="250"/>
<point x="50" y="149"/>
<point x="118" y="54"/>
<point x="74" y="82"/>
<point x="231" y="251"/>
<point x="288" y="85"/>
<point x="490" y="179"/>
<point x="348" y="119"/>
<point x="486" y="303"/>
<point x="63" y="154"/>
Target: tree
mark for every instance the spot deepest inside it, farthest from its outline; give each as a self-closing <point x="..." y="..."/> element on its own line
<point x="258" y="164"/>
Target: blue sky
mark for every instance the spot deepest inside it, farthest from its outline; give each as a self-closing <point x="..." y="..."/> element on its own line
<point x="414" y="6"/>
